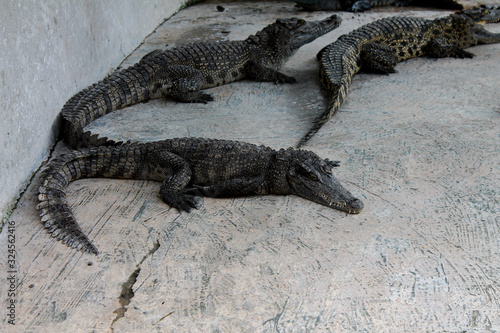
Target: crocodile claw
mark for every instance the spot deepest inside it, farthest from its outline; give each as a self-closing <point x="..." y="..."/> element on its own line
<point x="203" y="98"/>
<point x="181" y="202"/>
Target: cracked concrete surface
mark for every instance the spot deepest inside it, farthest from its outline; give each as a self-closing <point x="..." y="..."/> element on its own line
<point x="127" y="291"/>
<point x="420" y="147"/>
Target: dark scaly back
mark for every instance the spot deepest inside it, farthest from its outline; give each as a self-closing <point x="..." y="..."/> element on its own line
<point x="214" y="160"/>
<point x="219" y="62"/>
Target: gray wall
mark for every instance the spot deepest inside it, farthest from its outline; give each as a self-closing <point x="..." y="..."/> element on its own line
<point x="50" y="50"/>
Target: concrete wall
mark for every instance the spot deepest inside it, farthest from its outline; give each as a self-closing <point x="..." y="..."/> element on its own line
<point x="50" y="50"/>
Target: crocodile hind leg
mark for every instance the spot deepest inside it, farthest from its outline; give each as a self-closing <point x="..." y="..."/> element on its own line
<point x="188" y="90"/>
<point x="182" y="83"/>
<point x="378" y="58"/>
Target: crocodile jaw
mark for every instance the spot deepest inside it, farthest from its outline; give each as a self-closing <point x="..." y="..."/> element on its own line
<point x="324" y="189"/>
<point x="330" y="193"/>
<point x="484" y="36"/>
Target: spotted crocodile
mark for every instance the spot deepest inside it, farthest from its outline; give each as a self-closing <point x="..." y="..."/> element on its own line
<point x="380" y="45"/>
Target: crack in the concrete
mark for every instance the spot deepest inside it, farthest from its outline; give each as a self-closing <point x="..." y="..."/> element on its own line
<point x="275" y="320"/>
<point x="128" y="287"/>
<point x="126" y="295"/>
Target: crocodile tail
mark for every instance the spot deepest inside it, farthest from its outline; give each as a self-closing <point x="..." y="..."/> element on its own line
<point x="339" y="62"/>
<point x="332" y="108"/>
<point x="53" y="206"/>
<point x="123" y="88"/>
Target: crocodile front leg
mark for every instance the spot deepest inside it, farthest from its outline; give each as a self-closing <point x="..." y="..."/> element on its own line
<point x="177" y="171"/>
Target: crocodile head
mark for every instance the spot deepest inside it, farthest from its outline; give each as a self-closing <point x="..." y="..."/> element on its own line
<point x="303" y="32"/>
<point x="479" y="16"/>
<point x="303" y="173"/>
<point x="484" y="13"/>
<point x="283" y="37"/>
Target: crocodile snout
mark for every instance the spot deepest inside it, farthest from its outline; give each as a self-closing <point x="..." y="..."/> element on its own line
<point x="356" y="206"/>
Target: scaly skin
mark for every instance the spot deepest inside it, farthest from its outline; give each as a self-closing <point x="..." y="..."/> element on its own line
<point x="180" y="73"/>
<point x="188" y="167"/>
<point x="362" y="5"/>
<point x="380" y="45"/>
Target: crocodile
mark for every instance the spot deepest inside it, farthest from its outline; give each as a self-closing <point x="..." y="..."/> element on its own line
<point x="188" y="167"/>
<point x="180" y="73"/>
<point x="378" y="46"/>
<point x="362" y="5"/>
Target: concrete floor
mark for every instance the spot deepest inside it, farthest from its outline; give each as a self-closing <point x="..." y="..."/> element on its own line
<point x="419" y="147"/>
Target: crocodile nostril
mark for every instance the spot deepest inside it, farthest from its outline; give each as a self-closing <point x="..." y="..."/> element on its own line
<point x="356" y="205"/>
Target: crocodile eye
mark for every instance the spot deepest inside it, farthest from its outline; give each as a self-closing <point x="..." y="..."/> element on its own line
<point x="327" y="169"/>
<point x="306" y="173"/>
<point x="297" y="24"/>
<point x="313" y="177"/>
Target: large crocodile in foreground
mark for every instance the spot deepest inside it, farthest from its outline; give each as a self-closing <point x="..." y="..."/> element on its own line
<point x="362" y="5"/>
<point x="188" y="167"/>
<point x="182" y="72"/>
<point x="380" y="45"/>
